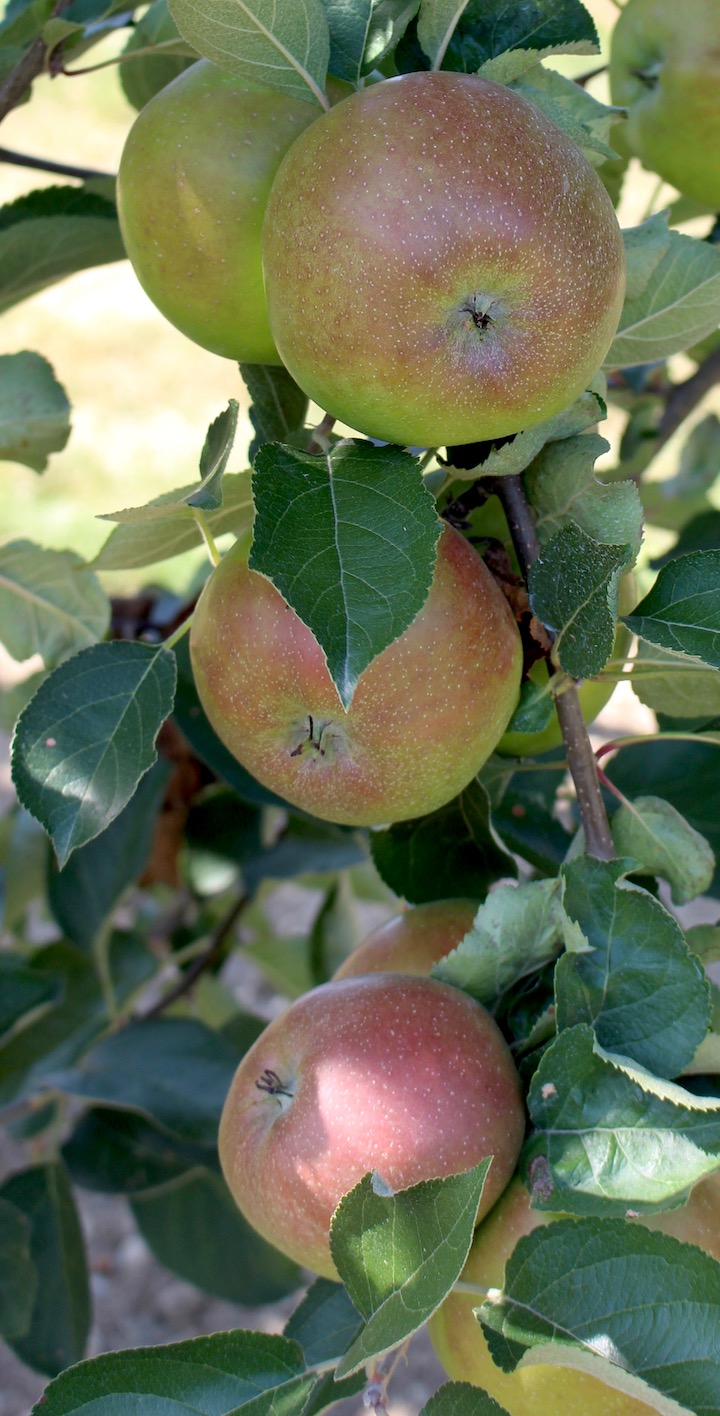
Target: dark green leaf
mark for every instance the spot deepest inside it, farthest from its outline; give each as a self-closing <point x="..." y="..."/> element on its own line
<point x="278" y="406"/>
<point x="461" y="1399"/>
<point x="534" y="710"/>
<point x="573" y="590"/>
<point x="684" y="773"/>
<point x="664" y="844"/>
<point x="485" y="28"/>
<point x="700" y="534"/>
<point x="563" y="489"/>
<point x="399" y="1255"/>
<point x="50" y="604"/>
<point x="60" y="1318"/>
<point x="176" y="1071"/>
<point x="283" y="47"/>
<point x="34" y="411"/>
<point x="637" y="983"/>
<point x="18" y="1277"/>
<point x="207" y="1376"/>
<point x="325" y="1323"/>
<point x="606" y="1285"/>
<point x="84" y="893"/>
<point x="145" y="75"/>
<point x="87" y="737"/>
<point x="24" y="990"/>
<point x="452" y="854"/>
<point x="682" y="610"/>
<point x="194" y="1228"/>
<point x="121" y="1153"/>
<point x="51" y="233"/>
<point x="349" y="539"/>
<point x="214" y="459"/>
<point x="362" y="32"/>
<point x="602" y="1124"/>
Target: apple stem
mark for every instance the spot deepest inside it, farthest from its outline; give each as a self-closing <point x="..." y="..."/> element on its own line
<point x="219" y="940"/>
<point x="581" y="758"/>
<point x="319" y="440"/>
<point x="207" y="535"/>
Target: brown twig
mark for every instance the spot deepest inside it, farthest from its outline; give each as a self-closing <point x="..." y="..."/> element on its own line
<point x="581" y="759"/>
<point x="685" y="396"/>
<point x="204" y="961"/>
<point x="29" y="67"/>
<point x="45" y="164"/>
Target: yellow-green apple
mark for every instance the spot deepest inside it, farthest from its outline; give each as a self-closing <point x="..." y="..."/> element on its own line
<point x="194" y="179"/>
<point x="413" y="941"/>
<point x="665" y="68"/>
<point x="426" y="714"/>
<point x="441" y="262"/>
<point x="544" y="1390"/>
<point x="387" y="1072"/>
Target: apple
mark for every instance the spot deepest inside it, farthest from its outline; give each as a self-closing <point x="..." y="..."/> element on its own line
<point x="426" y="713"/>
<point x="403" y="1075"/>
<point x="460" y="1343"/>
<point x="442" y="264"/>
<point x="665" y="68"/>
<point x="413" y="941"/>
<point x="194" y="179"/>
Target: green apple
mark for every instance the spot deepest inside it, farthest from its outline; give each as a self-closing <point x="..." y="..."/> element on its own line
<point x="387" y="1072"/>
<point x="665" y="68"/>
<point x="413" y="941"/>
<point x="194" y="179"/>
<point x="442" y="264"/>
<point x="545" y="1390"/>
<point x="426" y="713"/>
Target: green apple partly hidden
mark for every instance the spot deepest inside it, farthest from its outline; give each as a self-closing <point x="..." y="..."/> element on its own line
<point x="665" y="68"/>
<point x="413" y="941"/>
<point x="194" y="179"/>
<point x="544" y="1390"/>
<point x="402" y="1075"/>
<point x="442" y="264"/>
<point x="426" y="713"/>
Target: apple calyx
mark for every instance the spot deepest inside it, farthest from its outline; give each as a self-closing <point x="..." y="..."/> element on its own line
<point x="270" y="1082"/>
<point x="318" y="736"/>
<point x="478" y="308"/>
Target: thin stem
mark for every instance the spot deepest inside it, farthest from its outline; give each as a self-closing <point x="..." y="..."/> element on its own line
<point x="45" y="164"/>
<point x="319" y="440"/>
<point x="210" y="955"/>
<point x="653" y="198"/>
<point x="207" y="535"/>
<point x="685" y="396"/>
<point x="29" y="66"/>
<point x="165" y="46"/>
<point x="593" y="73"/>
<point x="581" y="759"/>
<point x="710" y="739"/>
<point x="178" y="633"/>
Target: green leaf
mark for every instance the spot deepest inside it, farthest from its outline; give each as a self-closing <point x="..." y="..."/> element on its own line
<point x="194" y="1228"/>
<point x="571" y="108"/>
<point x="60" y="1319"/>
<point x="564" y="491"/>
<point x="400" y="1254"/>
<point x="175" y="1071"/>
<point x="513" y="456"/>
<point x="349" y="539"/>
<point x="51" y="233"/>
<point x="362" y="32"/>
<point x="601" y="1125"/>
<point x="208" y="1376"/>
<point x="629" y="973"/>
<point x="85" y="892"/>
<point x="24" y="991"/>
<point x="535" y="709"/>
<point x="702" y="533"/>
<point x="18" y="1278"/>
<point x="573" y="590"/>
<point x="516" y="932"/>
<point x="278" y="406"/>
<point x="645" y="246"/>
<point x="214" y="458"/>
<point x="681" y="612"/>
<point x="605" y="1285"/>
<point x="685" y="690"/>
<point x="684" y="773"/>
<point x="463" y="36"/>
<point x="324" y="1323"/>
<point x="674" y="502"/>
<point x="679" y="305"/>
<point x="34" y="411"/>
<point x="49" y="603"/>
<point x="454" y="853"/>
<point x="166" y="527"/>
<point x="146" y="74"/>
<point x="283" y="47"/>
<point x="664" y="844"/>
<point x="704" y="940"/>
<point x="121" y="1153"/>
<point x="87" y="737"/>
<point x="335" y="931"/>
<point x="461" y="1399"/>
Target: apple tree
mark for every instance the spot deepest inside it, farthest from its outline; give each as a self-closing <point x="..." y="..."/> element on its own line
<point x="418" y="592"/>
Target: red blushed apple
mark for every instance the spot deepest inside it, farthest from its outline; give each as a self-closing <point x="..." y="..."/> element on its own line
<point x="412" y="942"/>
<point x="402" y="1075"/>
<point x="442" y="264"/>
<point x="545" y="1390"/>
<point x="426" y="713"/>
